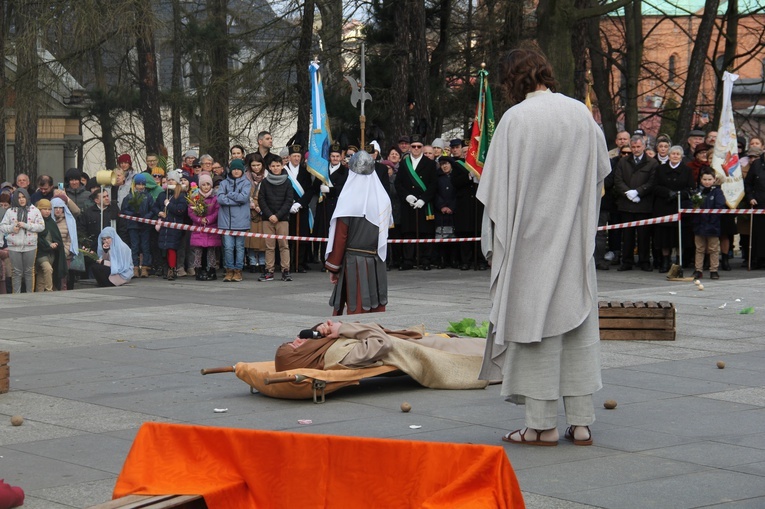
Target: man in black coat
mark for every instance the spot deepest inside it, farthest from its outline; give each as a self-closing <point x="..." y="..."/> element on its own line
<point x="306" y="188"/>
<point x="634" y="179"/>
<point x="416" y="185"/>
<point x="89" y="224"/>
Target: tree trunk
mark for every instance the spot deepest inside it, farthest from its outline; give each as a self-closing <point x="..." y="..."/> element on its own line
<point x="600" y="81"/>
<point x="696" y="72"/>
<point x="147" y="77"/>
<point x="27" y="96"/>
<point x="633" y="29"/>
<point x="102" y="109"/>
<point x="399" y="94"/>
<point x="217" y="119"/>
<point x="438" y="62"/>
<point x="3" y="85"/>
<point x="729" y="57"/>
<point x="176" y="92"/>
<point x="420" y="86"/>
<point x="331" y="34"/>
<point x="303" y="77"/>
<point x="554" y="30"/>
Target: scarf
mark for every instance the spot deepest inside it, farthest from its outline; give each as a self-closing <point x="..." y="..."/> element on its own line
<point x="21" y="212"/>
<point x="120" y="255"/>
<point x="71" y="224"/>
<point x="276" y="180"/>
<point x="308" y="355"/>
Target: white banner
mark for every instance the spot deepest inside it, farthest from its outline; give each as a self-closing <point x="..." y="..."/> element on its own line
<point x="725" y="160"/>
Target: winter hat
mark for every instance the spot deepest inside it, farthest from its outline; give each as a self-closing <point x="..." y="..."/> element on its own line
<point x="205" y="178"/>
<point x="72" y="174"/>
<point x="236" y="164"/>
<point x="158" y="171"/>
<point x="44" y="204"/>
<point x="140" y="179"/>
<point x="174" y="175"/>
<point x="190" y="153"/>
<point x="124" y="158"/>
<point x="186" y="175"/>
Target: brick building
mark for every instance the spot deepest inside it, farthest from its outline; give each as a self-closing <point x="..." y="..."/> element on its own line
<point x="669" y="32"/>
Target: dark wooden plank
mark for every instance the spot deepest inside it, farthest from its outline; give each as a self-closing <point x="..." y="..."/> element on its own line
<point x="5" y="385"/>
<point x="636" y="313"/>
<point x="637" y="323"/>
<point x="665" y="304"/>
<point x="5" y="357"/>
<point x="642" y="335"/>
<point x="651" y="304"/>
<point x="5" y="372"/>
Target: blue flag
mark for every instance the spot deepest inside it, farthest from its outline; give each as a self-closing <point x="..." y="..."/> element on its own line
<point x="319" y="140"/>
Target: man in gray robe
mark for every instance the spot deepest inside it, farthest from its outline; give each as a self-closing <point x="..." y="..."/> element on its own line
<point x="541" y="216"/>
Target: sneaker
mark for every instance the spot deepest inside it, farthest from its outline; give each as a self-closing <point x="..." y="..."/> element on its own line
<point x="266" y="276"/>
<point x="285" y="276"/>
<point x="714" y="275"/>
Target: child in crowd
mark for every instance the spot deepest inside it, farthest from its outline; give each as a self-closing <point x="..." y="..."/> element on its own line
<point x="185" y="258"/>
<point x="203" y="211"/>
<point x="255" y="246"/>
<point x="706" y="227"/>
<point x="171" y="207"/>
<point x="234" y="201"/>
<point x="21" y="224"/>
<point x="51" y="254"/>
<point x="67" y="226"/>
<point x="139" y="203"/>
<point x="275" y="199"/>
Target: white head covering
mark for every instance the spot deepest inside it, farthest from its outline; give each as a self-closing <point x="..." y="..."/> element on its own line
<point x="71" y="225"/>
<point x="363" y="196"/>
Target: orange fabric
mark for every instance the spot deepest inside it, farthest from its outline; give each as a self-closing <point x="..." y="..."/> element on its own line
<point x="250" y="469"/>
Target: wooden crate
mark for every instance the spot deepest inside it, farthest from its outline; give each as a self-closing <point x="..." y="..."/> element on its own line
<point x="637" y="320"/>
<point x="5" y="372"/>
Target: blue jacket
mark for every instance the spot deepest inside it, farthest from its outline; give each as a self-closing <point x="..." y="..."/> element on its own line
<point x="144" y="210"/>
<point x="234" y="201"/>
<point x="708" y="225"/>
<point x="170" y="238"/>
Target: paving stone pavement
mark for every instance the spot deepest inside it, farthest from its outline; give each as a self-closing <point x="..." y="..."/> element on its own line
<point x="89" y="366"/>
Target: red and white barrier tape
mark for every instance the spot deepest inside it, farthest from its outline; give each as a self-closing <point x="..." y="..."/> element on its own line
<point x="723" y="211"/>
<point x="236" y="233"/>
<point x="643" y="222"/>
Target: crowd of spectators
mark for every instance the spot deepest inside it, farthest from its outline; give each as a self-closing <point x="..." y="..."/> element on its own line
<point x="51" y="232"/>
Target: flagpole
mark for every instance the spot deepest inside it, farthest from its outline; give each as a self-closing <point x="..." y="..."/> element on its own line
<point x="362" y="117"/>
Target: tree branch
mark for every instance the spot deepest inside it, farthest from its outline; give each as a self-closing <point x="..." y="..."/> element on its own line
<point x="600" y="10"/>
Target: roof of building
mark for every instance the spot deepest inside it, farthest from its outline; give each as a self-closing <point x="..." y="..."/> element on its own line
<point x="687" y="7"/>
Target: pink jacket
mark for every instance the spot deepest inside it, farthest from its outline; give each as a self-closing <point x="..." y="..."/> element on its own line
<point x="200" y="239"/>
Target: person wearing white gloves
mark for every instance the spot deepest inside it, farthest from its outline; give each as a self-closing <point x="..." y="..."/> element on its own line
<point x="306" y="189"/>
<point x="634" y="180"/>
<point x="416" y="185"/>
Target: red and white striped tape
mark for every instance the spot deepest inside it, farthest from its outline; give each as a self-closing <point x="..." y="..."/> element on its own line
<point x="236" y="233"/>
<point x="723" y="211"/>
<point x="643" y="222"/>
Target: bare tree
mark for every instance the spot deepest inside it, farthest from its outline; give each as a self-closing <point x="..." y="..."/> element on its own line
<point x="148" y="84"/>
<point x="3" y="91"/>
<point x="27" y="100"/>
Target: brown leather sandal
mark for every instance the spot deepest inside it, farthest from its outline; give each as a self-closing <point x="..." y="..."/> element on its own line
<point x="523" y="441"/>
<point x="570" y="436"/>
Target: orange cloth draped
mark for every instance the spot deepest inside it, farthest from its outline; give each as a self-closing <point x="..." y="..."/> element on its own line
<point x="250" y="469"/>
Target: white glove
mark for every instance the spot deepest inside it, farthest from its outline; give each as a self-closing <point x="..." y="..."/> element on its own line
<point x="324" y="189"/>
<point x="636" y="199"/>
<point x="411" y="200"/>
<point x="295" y="207"/>
<point x="631" y="194"/>
<point x="419" y="204"/>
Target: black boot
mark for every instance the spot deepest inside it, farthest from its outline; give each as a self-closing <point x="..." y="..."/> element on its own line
<point x="211" y="274"/>
<point x="724" y="262"/>
<point x="666" y="263"/>
<point x="201" y="275"/>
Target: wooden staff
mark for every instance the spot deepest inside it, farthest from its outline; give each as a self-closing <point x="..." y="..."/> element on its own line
<point x="284" y="379"/>
<point x="297" y="242"/>
<point x="224" y="369"/>
<point x="749" y="258"/>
